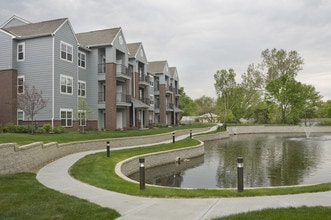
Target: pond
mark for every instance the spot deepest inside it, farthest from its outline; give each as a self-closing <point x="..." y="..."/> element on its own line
<point x="269" y="160"/>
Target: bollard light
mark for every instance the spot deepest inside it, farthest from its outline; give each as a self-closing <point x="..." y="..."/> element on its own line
<point x="173" y="137"/>
<point x="108" y="149"/>
<point x="190" y="133"/>
<point x="240" y="174"/>
<point x="142" y="173"/>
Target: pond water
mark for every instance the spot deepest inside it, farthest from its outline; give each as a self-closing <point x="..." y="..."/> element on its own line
<point x="269" y="160"/>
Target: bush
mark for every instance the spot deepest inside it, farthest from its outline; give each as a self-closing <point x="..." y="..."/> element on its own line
<point x="22" y="129"/>
<point x="58" y="130"/>
<point x="47" y="128"/>
<point x="10" y="128"/>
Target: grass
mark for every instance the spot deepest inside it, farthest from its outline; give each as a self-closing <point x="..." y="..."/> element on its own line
<point x="98" y="170"/>
<point x="23" y="197"/>
<point x="301" y="213"/>
<point x="22" y="139"/>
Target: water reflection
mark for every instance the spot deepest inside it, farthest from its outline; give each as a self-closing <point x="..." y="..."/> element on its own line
<point x="269" y="160"/>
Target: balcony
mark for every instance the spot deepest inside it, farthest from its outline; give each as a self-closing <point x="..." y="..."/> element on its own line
<point x="144" y="80"/>
<point x="168" y="89"/>
<point x="123" y="99"/>
<point x="101" y="97"/>
<point x="147" y="101"/>
<point x="101" y="68"/>
<point x="122" y="72"/>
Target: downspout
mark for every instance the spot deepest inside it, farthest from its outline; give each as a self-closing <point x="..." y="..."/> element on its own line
<point x="53" y="83"/>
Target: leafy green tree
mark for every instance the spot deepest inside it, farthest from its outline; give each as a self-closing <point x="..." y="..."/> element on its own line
<point x="186" y="103"/>
<point x="324" y="110"/>
<point x="225" y="85"/>
<point x="205" y="105"/>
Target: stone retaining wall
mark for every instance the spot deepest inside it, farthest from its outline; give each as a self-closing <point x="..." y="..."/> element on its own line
<point x="131" y="165"/>
<point x="14" y="158"/>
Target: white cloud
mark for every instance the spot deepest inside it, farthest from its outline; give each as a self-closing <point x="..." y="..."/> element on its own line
<point x="200" y="37"/>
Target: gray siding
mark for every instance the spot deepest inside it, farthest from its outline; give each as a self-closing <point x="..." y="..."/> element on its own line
<point x="65" y="34"/>
<point x="6" y="48"/>
<point x="92" y="62"/>
<point x="36" y="69"/>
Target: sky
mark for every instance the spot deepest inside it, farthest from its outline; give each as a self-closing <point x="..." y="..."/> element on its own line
<point x="200" y="37"/>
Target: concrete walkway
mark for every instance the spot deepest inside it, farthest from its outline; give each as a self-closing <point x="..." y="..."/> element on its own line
<point x="55" y="175"/>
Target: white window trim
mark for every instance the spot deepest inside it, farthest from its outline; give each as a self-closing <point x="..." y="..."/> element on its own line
<point x="72" y="54"/>
<point x="72" y="85"/>
<point x="20" y="77"/>
<point x="23" y="51"/>
<point x="72" y="120"/>
<point x="78" y="59"/>
<point x="78" y="91"/>
<point x="20" y="111"/>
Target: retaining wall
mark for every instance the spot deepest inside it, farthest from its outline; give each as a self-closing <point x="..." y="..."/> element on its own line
<point x="131" y="165"/>
<point x="14" y="158"/>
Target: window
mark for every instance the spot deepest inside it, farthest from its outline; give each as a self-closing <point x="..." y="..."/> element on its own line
<point x="66" y="117"/>
<point x="81" y="88"/>
<point x="66" y="51"/>
<point x="20" y="51"/>
<point x="66" y="84"/>
<point x="20" y="117"/>
<point x="82" y="117"/>
<point x="82" y="60"/>
<point x="20" y="85"/>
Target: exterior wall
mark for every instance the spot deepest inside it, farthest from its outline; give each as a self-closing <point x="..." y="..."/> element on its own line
<point x="63" y="67"/>
<point x="6" y="48"/>
<point x="162" y="104"/>
<point x="37" y="71"/>
<point x="8" y="96"/>
<point x="110" y="93"/>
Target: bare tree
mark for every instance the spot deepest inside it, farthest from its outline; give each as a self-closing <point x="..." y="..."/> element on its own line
<point x="31" y="102"/>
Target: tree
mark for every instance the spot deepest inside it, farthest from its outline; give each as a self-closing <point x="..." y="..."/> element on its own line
<point x="83" y="113"/>
<point x="224" y="84"/>
<point x="205" y="105"/>
<point x="186" y="103"/>
<point x="31" y="102"/>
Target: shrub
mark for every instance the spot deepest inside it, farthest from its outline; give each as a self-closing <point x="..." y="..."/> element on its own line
<point x="58" y="130"/>
<point x="47" y="128"/>
<point x="10" y="128"/>
<point x="22" y="129"/>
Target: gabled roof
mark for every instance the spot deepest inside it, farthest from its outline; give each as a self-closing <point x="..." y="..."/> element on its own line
<point x="133" y="49"/>
<point x="36" y="29"/>
<point x="98" y="38"/>
<point x="156" y="66"/>
<point x="173" y="72"/>
<point x="14" y="21"/>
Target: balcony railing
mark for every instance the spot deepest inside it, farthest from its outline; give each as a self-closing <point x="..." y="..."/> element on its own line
<point x="122" y="97"/>
<point x="145" y="100"/>
<point x="101" y="68"/>
<point x="122" y="70"/>
<point x="144" y="79"/>
<point x="101" y="97"/>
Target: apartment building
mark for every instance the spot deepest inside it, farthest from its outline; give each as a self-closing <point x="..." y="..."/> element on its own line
<point x="97" y="67"/>
<point x="166" y="92"/>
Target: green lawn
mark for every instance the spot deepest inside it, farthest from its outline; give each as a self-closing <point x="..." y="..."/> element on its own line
<point x="98" y="170"/>
<point x="23" y="197"/>
<point x="301" y="213"/>
<point x="22" y="139"/>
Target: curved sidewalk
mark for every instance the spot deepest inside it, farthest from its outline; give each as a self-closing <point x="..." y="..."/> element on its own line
<point x="55" y="175"/>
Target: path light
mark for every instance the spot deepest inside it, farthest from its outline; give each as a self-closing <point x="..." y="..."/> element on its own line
<point x="142" y="173"/>
<point x="240" y="173"/>
<point x="108" y="149"/>
<point x="173" y="137"/>
<point x="191" y="133"/>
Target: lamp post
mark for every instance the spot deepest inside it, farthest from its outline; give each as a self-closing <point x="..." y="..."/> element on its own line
<point x="108" y="149"/>
<point x="142" y="173"/>
<point x="240" y="174"/>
